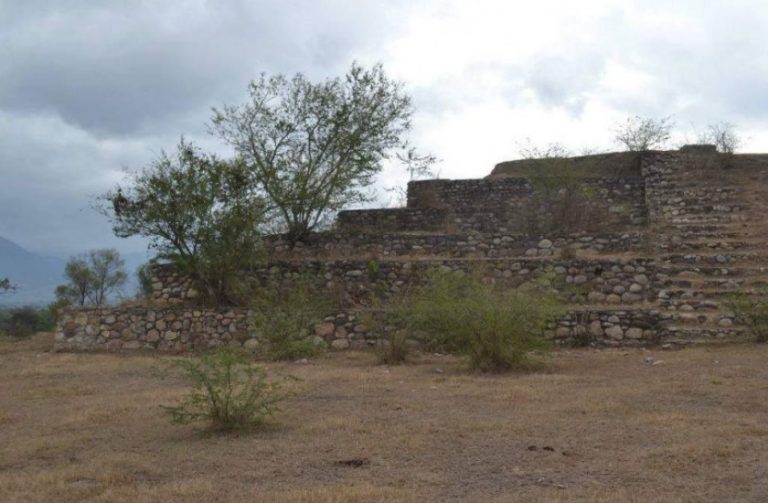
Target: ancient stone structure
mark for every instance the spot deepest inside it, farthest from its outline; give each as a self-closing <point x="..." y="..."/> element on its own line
<point x="660" y="240"/>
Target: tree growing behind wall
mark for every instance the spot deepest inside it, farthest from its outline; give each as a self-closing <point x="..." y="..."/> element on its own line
<point x="198" y="211"/>
<point x="92" y="278"/>
<point x="560" y="201"/>
<point x="723" y="136"/>
<point x="637" y="134"/>
<point x="313" y="148"/>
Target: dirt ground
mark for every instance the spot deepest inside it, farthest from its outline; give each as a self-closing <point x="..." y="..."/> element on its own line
<point x="593" y="426"/>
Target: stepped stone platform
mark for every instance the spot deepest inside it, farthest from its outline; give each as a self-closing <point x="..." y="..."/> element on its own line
<point x="668" y="235"/>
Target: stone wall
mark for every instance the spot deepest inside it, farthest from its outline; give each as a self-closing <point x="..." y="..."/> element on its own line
<point x="499" y="205"/>
<point x="333" y="245"/>
<point x="150" y="328"/>
<point x="394" y="220"/>
<point x="676" y="232"/>
<point x="182" y="329"/>
<point x="354" y="283"/>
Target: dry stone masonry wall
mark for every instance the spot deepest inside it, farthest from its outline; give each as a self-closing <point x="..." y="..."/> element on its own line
<point x="676" y="233"/>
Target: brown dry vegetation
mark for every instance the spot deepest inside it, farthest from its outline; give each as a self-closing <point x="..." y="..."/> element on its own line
<point x="88" y="427"/>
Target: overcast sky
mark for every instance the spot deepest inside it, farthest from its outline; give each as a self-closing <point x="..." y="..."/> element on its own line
<point x="88" y="88"/>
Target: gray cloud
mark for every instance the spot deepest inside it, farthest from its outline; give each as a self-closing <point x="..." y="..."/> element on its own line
<point x="88" y="87"/>
<point x="130" y="66"/>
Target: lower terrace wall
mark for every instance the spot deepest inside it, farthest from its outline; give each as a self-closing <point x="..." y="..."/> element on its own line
<point x="180" y="329"/>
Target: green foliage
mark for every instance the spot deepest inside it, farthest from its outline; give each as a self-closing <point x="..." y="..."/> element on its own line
<point x="144" y="275"/>
<point x="80" y="277"/>
<point x="92" y="277"/>
<point x="25" y="321"/>
<point x="373" y="269"/>
<point x="283" y="318"/>
<point x="393" y="347"/>
<point x="752" y="311"/>
<point x="313" y="148"/>
<point x="495" y="328"/>
<point x="387" y="321"/>
<point x="229" y="391"/>
<point x="199" y="212"/>
<point x="637" y="134"/>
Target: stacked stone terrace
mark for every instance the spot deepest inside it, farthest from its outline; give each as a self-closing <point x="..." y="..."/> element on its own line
<point x="669" y="236"/>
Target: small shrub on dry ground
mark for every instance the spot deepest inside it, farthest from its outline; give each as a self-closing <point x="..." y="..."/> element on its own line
<point x="229" y="391"/>
<point x="752" y="311"/>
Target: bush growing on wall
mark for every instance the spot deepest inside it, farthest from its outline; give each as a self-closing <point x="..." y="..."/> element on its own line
<point x="638" y="134"/>
<point x="463" y="313"/>
<point x="752" y="311"/>
<point x="560" y="202"/>
<point x="283" y="318"/>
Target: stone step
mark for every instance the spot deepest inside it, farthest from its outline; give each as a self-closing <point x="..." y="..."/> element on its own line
<point x="728" y="285"/>
<point x="678" y="296"/>
<point x="690" y="235"/>
<point x="725" y="246"/>
<point x="691" y="305"/>
<point x="683" y="335"/>
<point x="709" y="219"/>
<point x="711" y="319"/>
<point x="708" y="271"/>
<point x="716" y="258"/>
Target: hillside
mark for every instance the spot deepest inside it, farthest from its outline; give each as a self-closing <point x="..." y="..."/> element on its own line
<point x="34" y="275"/>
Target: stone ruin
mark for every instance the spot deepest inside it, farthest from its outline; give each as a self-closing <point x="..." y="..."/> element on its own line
<point x="646" y="259"/>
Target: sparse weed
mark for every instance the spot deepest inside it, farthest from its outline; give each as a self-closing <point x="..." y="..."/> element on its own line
<point x="229" y="391"/>
<point x="752" y="311"/>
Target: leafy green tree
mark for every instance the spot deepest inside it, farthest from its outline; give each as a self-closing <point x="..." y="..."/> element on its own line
<point x="198" y="211"/>
<point x="313" y="148"/>
<point x="77" y="290"/>
<point x="92" y="277"/>
<point x="108" y="274"/>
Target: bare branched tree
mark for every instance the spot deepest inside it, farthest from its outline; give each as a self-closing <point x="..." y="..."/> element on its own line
<point x="723" y="136"/>
<point x="555" y="150"/>
<point x="641" y="133"/>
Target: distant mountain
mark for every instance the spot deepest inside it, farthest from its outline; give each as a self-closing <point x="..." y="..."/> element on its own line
<point x="35" y="276"/>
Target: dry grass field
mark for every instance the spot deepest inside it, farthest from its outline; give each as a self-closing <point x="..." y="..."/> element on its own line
<point x="594" y="426"/>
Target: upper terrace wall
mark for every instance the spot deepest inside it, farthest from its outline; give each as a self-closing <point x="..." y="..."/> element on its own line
<point x="615" y="164"/>
<point x="499" y="204"/>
